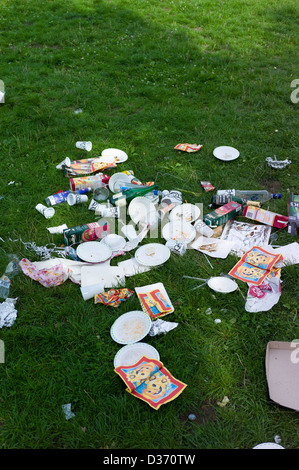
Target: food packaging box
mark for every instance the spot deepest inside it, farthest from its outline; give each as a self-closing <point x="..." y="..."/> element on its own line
<point x="293" y="207"/>
<point x="86" y="232"/>
<point x="222" y="214"/>
<point x="282" y="371"/>
<point x="265" y="217"/>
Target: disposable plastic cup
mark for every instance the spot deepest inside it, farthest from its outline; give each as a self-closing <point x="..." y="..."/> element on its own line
<point x="90" y="291"/>
<point x="101" y="193"/>
<point x="84" y="145"/>
<point x="47" y="212"/>
<point x="73" y="199"/>
<point x="203" y="229"/>
<point x="163" y="212"/>
<point x="129" y="232"/>
<point x="58" y="229"/>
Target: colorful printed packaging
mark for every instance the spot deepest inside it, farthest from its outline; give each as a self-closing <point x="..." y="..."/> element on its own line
<point x="265" y="217"/>
<point x="256" y="265"/>
<point x="150" y="381"/>
<point x="84" y="182"/>
<point x="86" y="232"/>
<point x="222" y="214"/>
<point x="188" y="147"/>
<point x="293" y="214"/>
<point x="86" y="167"/>
<point x="207" y="186"/>
<point x="113" y="297"/>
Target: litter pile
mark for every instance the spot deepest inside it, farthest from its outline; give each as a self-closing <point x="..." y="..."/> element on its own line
<point x="89" y="248"/>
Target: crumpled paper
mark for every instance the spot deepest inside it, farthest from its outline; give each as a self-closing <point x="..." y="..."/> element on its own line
<point x="113" y="297"/>
<point x="8" y="313"/>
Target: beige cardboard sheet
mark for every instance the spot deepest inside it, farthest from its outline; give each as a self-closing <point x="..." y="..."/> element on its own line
<point x="282" y="371"/>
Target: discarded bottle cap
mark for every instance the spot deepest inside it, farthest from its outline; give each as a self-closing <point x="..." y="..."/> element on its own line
<point x="192" y="417"/>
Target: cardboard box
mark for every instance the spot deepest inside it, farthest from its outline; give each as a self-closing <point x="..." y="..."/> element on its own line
<point x="222" y="214"/>
<point x="86" y="232"/>
<point x="282" y="371"/>
<point x="293" y="208"/>
<point x="266" y="217"/>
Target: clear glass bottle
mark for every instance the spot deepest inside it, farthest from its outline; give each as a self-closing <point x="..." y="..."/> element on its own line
<point x="261" y="195"/>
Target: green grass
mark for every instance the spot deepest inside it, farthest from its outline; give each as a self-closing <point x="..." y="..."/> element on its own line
<point x="148" y="75"/>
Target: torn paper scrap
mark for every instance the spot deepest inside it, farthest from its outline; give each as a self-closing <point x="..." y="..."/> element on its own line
<point x="67" y="411"/>
<point x="214" y="247"/>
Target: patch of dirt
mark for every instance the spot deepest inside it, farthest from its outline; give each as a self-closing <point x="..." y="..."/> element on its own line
<point x="271" y="185"/>
<point x="204" y="413"/>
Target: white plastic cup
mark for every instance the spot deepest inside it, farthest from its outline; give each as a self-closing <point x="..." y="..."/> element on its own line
<point x="111" y="212"/>
<point x="203" y="229"/>
<point x="47" y="212"/>
<point x="101" y="193"/>
<point x="90" y="291"/>
<point x="176" y="247"/>
<point x="93" y="205"/>
<point x="73" y="199"/>
<point x="58" y="229"/>
<point x="84" y="145"/>
<point x="98" y="208"/>
<point x="129" y="232"/>
<point x="163" y="212"/>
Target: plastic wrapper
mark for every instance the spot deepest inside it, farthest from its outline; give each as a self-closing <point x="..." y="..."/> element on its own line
<point x="67" y="411"/>
<point x="188" y="147"/>
<point x="8" y="312"/>
<point x="274" y="163"/>
<point x="113" y="297"/>
<point x="161" y="326"/>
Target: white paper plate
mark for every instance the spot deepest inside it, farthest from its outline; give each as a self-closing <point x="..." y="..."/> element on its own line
<point x="180" y="231"/>
<point x="106" y="159"/>
<point x="131" y="327"/>
<point x="222" y="284"/>
<point x="102" y="273"/>
<point x="141" y="209"/>
<point x="226" y="153"/>
<point x="186" y="212"/>
<point x="117" y="180"/>
<point x="131" y="353"/>
<point x="94" y="252"/>
<point x="120" y="155"/>
<point x="152" y="254"/>
<point x="116" y="242"/>
<point x="268" y="445"/>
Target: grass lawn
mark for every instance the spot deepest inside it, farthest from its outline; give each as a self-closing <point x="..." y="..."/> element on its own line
<point x="147" y="75"/>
